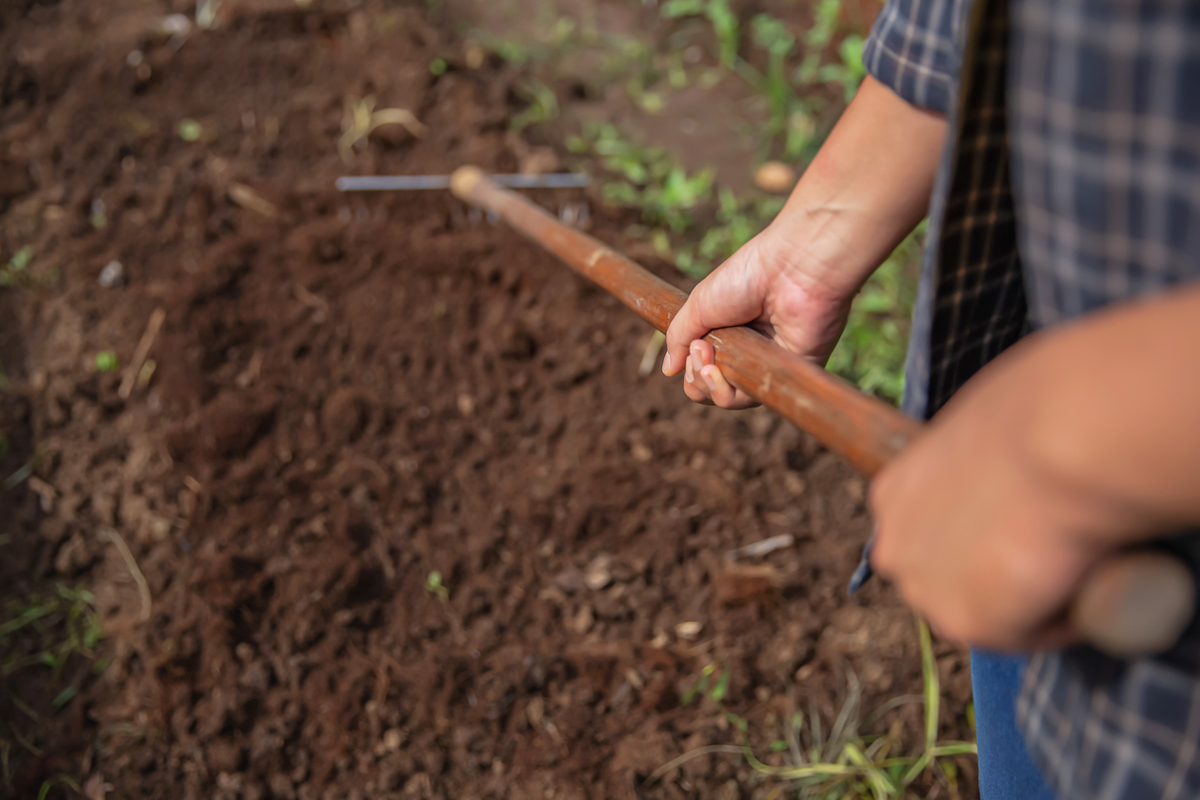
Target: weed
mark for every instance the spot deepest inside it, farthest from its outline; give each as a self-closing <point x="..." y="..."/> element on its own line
<point x="653" y="180"/>
<point x="844" y="763"/>
<point x="773" y="36"/>
<point x="740" y="221"/>
<point x="434" y="585"/>
<point x="849" y="71"/>
<point x="55" y="630"/>
<point x="17" y="478"/>
<point x="14" y="273"/>
<point x="107" y="361"/>
<point x="724" y="21"/>
<point x="543" y="104"/>
<point x="189" y="130"/>
<point x="872" y="350"/>
<point x="59" y="780"/>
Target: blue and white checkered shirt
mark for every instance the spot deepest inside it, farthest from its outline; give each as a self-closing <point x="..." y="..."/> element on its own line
<point x="1072" y="181"/>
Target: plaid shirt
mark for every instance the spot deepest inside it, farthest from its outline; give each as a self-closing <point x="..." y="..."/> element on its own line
<point x="1077" y="145"/>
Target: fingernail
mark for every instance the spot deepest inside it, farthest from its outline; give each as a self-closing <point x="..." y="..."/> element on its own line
<point x="689" y="376"/>
<point x="666" y="367"/>
<point x="695" y="348"/>
<point x="708" y="380"/>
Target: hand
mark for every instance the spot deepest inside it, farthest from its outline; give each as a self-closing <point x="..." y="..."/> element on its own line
<point x="782" y="289"/>
<point x="862" y="194"/>
<point x="982" y="533"/>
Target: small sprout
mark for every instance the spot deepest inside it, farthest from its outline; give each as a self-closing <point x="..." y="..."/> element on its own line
<point x="438" y="67"/>
<point x="106" y="361"/>
<point x="737" y="721"/>
<point x="652" y="102"/>
<point x="64" y="696"/>
<point x="433" y="585"/>
<point x="778" y="746"/>
<point x="12" y="274"/>
<point x="21" y="259"/>
<point x="190" y="130"/>
<point x="543" y="104"/>
<point x="721" y="689"/>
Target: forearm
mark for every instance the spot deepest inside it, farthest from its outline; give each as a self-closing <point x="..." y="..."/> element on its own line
<point x="1116" y="413"/>
<point x="866" y="189"/>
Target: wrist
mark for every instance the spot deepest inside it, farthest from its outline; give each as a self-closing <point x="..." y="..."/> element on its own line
<point x="828" y="246"/>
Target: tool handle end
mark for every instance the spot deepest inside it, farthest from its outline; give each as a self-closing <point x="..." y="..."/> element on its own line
<point x="464" y="180"/>
<point x="1135" y="605"/>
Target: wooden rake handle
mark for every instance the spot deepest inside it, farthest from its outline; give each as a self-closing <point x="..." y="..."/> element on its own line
<point x="1137" y="603"/>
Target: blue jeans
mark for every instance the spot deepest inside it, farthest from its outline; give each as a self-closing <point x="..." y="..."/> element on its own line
<point x="1006" y="771"/>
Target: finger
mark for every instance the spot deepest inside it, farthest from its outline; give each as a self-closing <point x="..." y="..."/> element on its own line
<point x="682" y="330"/>
<point x="730" y="295"/>
<point x="702" y="354"/>
<point x="719" y="389"/>
<point x="695" y="389"/>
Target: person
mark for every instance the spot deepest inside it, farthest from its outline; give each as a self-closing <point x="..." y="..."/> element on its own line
<point x="1055" y="148"/>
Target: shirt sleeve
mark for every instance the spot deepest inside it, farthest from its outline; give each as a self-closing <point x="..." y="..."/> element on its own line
<point x="911" y="51"/>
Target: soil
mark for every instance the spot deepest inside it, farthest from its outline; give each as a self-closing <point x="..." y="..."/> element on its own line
<point x="349" y="395"/>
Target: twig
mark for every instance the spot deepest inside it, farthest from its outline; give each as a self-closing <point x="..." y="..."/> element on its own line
<point x="686" y="757"/>
<point x="139" y="355"/>
<point x="130" y="564"/>
<point x="762" y="548"/>
<point x="251" y="200"/>
<point x="653" y="348"/>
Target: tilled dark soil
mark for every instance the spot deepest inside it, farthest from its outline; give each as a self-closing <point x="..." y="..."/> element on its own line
<point x="350" y="395"/>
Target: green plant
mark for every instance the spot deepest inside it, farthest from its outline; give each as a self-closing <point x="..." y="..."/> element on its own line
<point x="872" y="350"/>
<point x="106" y="361"/>
<point x="17" y="478"/>
<point x="434" y="585"/>
<point x="724" y="21"/>
<point x="740" y="221"/>
<point x="189" y="130"/>
<point x="652" y="179"/>
<point x="848" y="70"/>
<point x="14" y="272"/>
<point x="845" y="763"/>
<point x="60" y="780"/>
<point x="60" y="625"/>
<point x="543" y="104"/>
<point x="438" y="67"/>
<point x="773" y="35"/>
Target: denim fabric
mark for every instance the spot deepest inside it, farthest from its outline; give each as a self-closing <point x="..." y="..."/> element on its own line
<point x="1006" y="772"/>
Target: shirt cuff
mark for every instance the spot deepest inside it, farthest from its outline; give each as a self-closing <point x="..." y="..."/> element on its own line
<point x="911" y="51"/>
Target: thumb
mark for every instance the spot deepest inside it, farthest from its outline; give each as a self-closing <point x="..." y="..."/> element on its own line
<point x="731" y="295"/>
<point x="685" y="328"/>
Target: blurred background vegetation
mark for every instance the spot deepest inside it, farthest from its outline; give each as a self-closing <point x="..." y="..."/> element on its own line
<point x="698" y="115"/>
